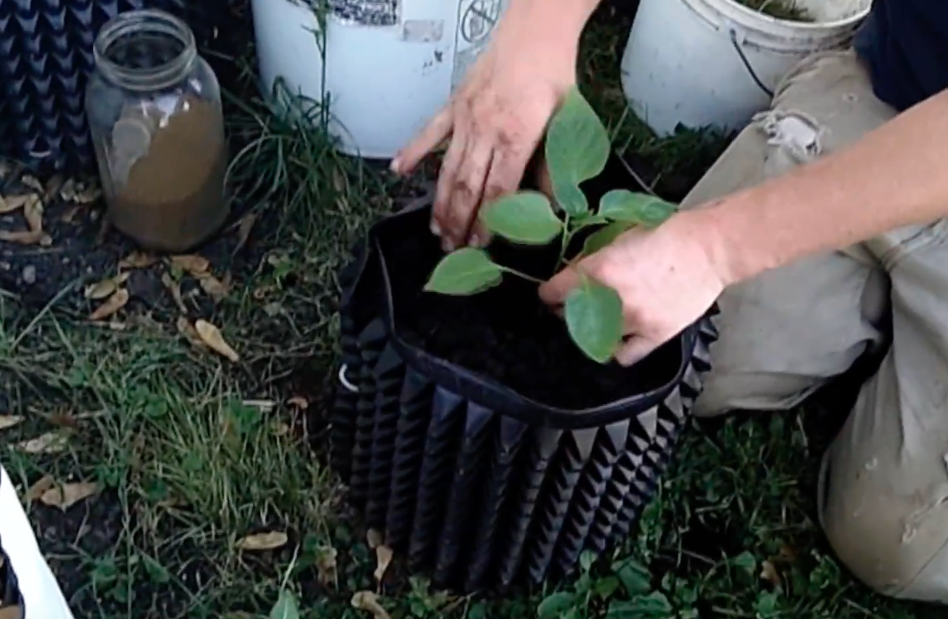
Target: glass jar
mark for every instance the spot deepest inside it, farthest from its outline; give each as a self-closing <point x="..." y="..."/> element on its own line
<point x="155" y="117"/>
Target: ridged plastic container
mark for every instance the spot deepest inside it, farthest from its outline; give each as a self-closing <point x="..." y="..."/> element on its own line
<point x="480" y="487"/>
<point x="45" y="58"/>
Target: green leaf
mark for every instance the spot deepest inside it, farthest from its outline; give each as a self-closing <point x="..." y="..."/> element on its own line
<point x="594" y="319"/>
<point x="586" y="560"/>
<point x="523" y="217"/>
<point x="604" y="236"/>
<point x="464" y="272"/>
<point x="747" y="562"/>
<point x="635" y="578"/>
<point x="635" y="208"/>
<point x="606" y="587"/>
<point x="555" y="604"/>
<point x="576" y="149"/>
<point x="652" y="606"/>
<point x="286" y="607"/>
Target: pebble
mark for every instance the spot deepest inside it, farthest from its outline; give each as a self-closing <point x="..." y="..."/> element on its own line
<point x="29" y="274"/>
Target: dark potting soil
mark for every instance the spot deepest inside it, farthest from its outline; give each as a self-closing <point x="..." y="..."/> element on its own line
<point x="506" y="333"/>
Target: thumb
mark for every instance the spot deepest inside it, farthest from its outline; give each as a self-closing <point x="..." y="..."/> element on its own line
<point x="555" y="291"/>
<point x="634" y="350"/>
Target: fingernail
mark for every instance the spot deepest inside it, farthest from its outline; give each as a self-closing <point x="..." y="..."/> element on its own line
<point x="435" y="228"/>
<point x="476" y="240"/>
<point x="447" y="246"/>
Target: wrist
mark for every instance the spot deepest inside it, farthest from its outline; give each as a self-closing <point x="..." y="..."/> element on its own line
<point x="559" y="22"/>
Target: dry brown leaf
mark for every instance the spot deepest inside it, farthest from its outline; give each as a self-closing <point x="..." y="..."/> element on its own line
<point x="326" y="565"/>
<point x="215" y="288"/>
<point x="366" y="600"/>
<point x="33" y="212"/>
<point x="191" y="263"/>
<point x="383" y="558"/>
<point x="8" y="421"/>
<point x="11" y="612"/>
<point x="114" y="303"/>
<point x="298" y="402"/>
<point x="374" y="538"/>
<point x="106" y="287"/>
<point x="186" y="329"/>
<point x="68" y="190"/>
<point x="53" y="185"/>
<point x="51" y="442"/>
<point x="175" y="289"/>
<point x="33" y="183"/>
<point x="88" y="194"/>
<point x="211" y="336"/>
<point x="35" y="491"/>
<point x="26" y="237"/>
<point x="263" y="541"/>
<point x="137" y="260"/>
<point x="244" y="228"/>
<point x="70" y="214"/>
<point x="8" y="204"/>
<point x="770" y="574"/>
<point x="67" y="495"/>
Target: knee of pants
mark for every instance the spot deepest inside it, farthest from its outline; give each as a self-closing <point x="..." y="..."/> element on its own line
<point x="897" y="552"/>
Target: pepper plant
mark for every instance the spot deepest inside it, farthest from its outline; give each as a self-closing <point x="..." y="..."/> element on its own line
<point x="576" y="148"/>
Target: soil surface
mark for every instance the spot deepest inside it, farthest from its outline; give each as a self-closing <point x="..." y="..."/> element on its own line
<point x="506" y="333"/>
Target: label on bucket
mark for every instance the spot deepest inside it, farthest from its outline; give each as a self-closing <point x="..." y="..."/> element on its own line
<point x="476" y="21"/>
<point x="366" y="12"/>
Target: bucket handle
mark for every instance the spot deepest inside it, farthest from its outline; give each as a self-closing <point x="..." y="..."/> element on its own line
<point x="747" y="64"/>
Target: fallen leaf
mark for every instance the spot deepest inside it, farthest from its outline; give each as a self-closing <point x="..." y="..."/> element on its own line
<point x="175" y="291"/>
<point x="53" y="186"/>
<point x="88" y="194"/>
<point x="263" y="541"/>
<point x="298" y="402"/>
<point x="8" y="421"/>
<point x="211" y="336"/>
<point x="192" y="263"/>
<point x="11" y="612"/>
<point x="51" y="442"/>
<point x="186" y="329"/>
<point x="383" y="558"/>
<point x="326" y="565"/>
<point x="67" y="495"/>
<point x="32" y="183"/>
<point x="33" y="212"/>
<point x="373" y="537"/>
<point x="244" y="228"/>
<point x="770" y="574"/>
<point x="68" y="191"/>
<point x="262" y="292"/>
<point x="37" y="490"/>
<point x="70" y="214"/>
<point x="106" y="287"/>
<point x="215" y="288"/>
<point x="114" y="303"/>
<point x="69" y="420"/>
<point x="366" y="600"/>
<point x="137" y="260"/>
<point x="25" y="237"/>
<point x="8" y="204"/>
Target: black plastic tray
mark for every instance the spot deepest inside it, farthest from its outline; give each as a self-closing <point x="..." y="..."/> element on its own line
<point x="480" y="486"/>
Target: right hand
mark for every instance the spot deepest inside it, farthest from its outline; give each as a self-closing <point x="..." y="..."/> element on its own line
<point x="495" y="122"/>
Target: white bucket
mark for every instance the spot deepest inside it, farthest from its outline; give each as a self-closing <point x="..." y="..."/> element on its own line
<point x="390" y="64"/>
<point x="40" y="596"/>
<point x="694" y="62"/>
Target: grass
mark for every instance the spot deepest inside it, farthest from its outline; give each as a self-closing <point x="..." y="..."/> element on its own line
<point x="194" y="455"/>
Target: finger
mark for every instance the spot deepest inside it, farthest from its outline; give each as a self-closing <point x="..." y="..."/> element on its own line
<point x="555" y="291"/>
<point x="505" y="176"/>
<point x="468" y="189"/>
<point x="634" y="350"/>
<point x="447" y="177"/>
<point x="435" y="132"/>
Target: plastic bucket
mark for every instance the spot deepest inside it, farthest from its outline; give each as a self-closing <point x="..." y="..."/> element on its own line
<point x="390" y="65"/>
<point x="704" y="63"/>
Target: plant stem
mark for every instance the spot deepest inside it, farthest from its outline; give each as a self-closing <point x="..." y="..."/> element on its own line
<point x="529" y="278"/>
<point x="564" y="241"/>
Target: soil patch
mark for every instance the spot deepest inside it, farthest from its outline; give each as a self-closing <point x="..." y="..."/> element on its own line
<point x="506" y="333"/>
<point x="781" y="9"/>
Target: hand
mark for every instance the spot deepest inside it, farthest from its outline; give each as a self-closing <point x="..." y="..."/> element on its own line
<point x="666" y="279"/>
<point x="495" y="122"/>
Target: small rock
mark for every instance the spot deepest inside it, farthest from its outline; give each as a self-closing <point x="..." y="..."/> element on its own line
<point x="29" y="274"/>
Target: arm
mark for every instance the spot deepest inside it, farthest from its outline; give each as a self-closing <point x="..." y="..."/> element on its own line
<point x="895" y="176"/>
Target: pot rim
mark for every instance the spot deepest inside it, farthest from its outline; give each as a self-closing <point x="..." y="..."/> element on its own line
<point x="489" y="392"/>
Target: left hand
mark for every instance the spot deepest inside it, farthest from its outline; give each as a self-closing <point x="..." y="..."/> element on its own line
<point x="666" y="277"/>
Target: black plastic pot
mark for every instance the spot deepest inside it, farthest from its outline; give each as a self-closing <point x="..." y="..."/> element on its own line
<point x="45" y="59"/>
<point x="480" y="486"/>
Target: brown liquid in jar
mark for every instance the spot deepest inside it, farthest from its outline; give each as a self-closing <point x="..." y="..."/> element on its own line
<point x="174" y="197"/>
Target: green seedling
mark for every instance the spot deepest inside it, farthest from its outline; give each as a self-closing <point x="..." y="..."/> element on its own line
<point x="577" y="148"/>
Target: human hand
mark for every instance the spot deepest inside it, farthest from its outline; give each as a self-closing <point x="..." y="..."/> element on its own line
<point x="666" y="277"/>
<point x="495" y="122"/>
